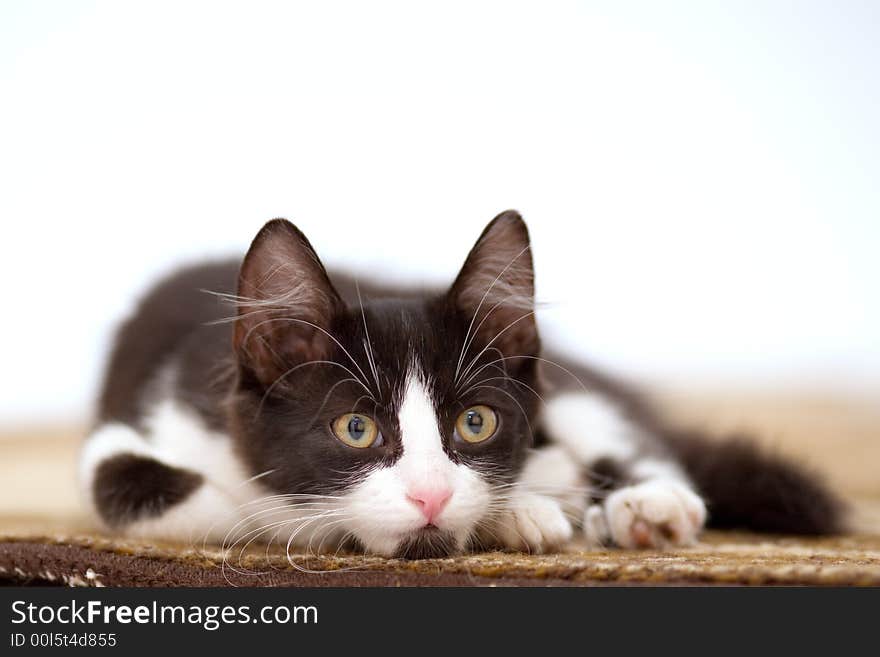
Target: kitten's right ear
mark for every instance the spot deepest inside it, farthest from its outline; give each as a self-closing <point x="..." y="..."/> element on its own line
<point x="286" y="304"/>
<point x="496" y="287"/>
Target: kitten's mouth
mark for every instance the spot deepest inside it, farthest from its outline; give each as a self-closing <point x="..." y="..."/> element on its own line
<point x="427" y="543"/>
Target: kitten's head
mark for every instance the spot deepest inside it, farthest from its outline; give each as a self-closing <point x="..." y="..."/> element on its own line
<point x="398" y="422"/>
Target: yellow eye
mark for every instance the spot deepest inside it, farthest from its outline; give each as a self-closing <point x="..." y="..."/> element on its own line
<point x="356" y="430"/>
<point x="476" y="424"/>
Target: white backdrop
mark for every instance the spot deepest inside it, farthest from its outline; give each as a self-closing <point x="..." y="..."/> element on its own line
<point x="700" y="179"/>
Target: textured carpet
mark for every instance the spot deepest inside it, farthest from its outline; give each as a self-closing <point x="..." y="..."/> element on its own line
<point x="721" y="558"/>
<point x="44" y="541"/>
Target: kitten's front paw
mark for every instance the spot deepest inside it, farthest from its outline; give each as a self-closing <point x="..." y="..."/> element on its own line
<point x="654" y="513"/>
<point x="534" y="523"/>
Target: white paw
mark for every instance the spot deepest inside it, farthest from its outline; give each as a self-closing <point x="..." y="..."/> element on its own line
<point x="534" y="523"/>
<point x="655" y="513"/>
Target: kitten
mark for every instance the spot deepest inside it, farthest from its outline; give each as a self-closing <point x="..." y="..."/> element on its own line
<point x="297" y="407"/>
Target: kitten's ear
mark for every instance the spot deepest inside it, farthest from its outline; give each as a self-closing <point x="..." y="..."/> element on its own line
<point x="285" y="303"/>
<point x="496" y="287"/>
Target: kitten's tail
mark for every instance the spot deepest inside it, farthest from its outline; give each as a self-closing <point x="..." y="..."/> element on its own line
<point x="747" y="487"/>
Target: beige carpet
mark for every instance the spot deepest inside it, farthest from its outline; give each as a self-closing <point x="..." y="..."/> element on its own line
<point x="45" y="540"/>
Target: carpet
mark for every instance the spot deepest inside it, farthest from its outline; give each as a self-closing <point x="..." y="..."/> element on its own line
<point x="721" y="558"/>
<point x="45" y="541"/>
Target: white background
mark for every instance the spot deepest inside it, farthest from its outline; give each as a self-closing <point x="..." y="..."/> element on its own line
<point x="700" y="179"/>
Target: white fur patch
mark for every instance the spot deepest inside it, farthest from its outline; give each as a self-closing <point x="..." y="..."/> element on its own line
<point x="589" y="427"/>
<point x="423" y="462"/>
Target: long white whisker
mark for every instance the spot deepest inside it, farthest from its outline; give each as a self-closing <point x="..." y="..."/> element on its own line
<point x="282" y="523"/>
<point x="368" y="346"/>
<point x="290" y="557"/>
<point x="252" y="517"/>
<point x="538" y="358"/>
<point x="259" y="532"/>
<point x="255" y="477"/>
<point x="324" y="528"/>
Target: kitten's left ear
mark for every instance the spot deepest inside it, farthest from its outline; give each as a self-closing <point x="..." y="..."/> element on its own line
<point x="496" y="286"/>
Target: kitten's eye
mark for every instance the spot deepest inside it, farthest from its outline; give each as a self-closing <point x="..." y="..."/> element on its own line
<point x="356" y="430"/>
<point x="476" y="424"/>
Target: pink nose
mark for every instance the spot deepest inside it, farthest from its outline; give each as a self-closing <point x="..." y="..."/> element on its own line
<point x="430" y="501"/>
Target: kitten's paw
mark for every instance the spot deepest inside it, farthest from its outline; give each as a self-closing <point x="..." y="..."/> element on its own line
<point x="655" y="513"/>
<point x="535" y="523"/>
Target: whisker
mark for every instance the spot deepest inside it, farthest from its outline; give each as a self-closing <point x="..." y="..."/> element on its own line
<point x="265" y="500"/>
<point x="290" y="557"/>
<point x="289" y="521"/>
<point x="258" y="476"/>
<point x="368" y="346"/>
<point x="543" y="360"/>
<point x="263" y="529"/>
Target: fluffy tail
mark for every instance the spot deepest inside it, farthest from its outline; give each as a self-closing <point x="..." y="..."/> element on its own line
<point x="747" y="487"/>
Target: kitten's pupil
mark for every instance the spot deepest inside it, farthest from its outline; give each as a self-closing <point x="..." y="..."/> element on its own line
<point x="475" y="422"/>
<point x="357" y="427"/>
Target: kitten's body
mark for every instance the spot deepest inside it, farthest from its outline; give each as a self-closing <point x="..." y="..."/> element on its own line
<point x="211" y="429"/>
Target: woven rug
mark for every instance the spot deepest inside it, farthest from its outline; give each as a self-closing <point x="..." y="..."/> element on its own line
<point x="721" y="558"/>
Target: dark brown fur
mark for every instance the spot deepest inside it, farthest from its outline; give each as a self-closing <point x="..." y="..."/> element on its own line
<point x="128" y="487"/>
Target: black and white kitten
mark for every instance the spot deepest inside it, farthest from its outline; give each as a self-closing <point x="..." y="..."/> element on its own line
<point x="324" y="413"/>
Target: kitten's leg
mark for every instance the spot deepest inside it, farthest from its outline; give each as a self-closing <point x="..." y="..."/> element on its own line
<point x="639" y="496"/>
<point x="131" y="488"/>
<point x="535" y="518"/>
